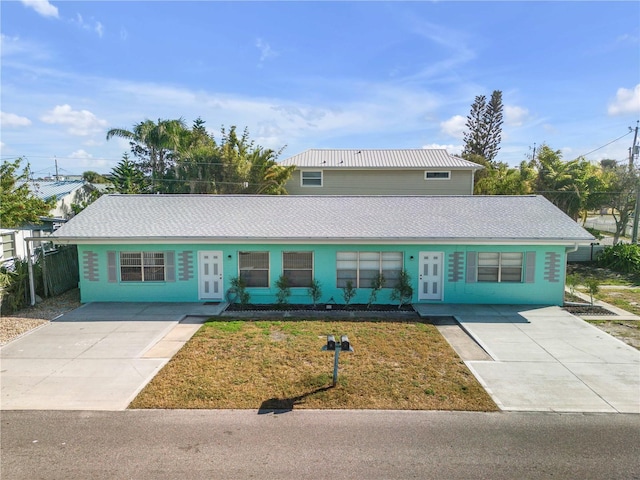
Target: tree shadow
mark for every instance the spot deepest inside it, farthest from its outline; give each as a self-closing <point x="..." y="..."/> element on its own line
<point x="285" y="405"/>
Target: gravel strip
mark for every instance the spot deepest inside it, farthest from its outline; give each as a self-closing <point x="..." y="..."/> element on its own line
<point x="18" y="323"/>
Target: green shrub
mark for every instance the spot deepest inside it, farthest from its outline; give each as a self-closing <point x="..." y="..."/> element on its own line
<point x="623" y="258"/>
<point x="284" y="291"/>
<point x="315" y="291"/>
<point x="573" y="280"/>
<point x="403" y="291"/>
<point x="348" y="292"/>
<point x="14" y="285"/>
<point x="238" y="291"/>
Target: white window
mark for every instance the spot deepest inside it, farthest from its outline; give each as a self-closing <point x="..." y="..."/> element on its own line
<point x="362" y="268"/>
<point x="297" y="267"/>
<point x="8" y="246"/>
<point x="500" y="267"/>
<point x="443" y="175"/>
<point x="142" y="266"/>
<point x="254" y="268"/>
<point x="311" y="178"/>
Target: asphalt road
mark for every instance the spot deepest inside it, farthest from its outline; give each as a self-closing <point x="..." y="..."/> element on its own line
<point x="209" y="444"/>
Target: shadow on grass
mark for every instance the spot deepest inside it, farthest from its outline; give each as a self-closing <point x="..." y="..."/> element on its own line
<point x="284" y="405"/>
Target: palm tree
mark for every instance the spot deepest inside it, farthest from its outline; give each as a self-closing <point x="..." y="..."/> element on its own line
<point x="155" y="144"/>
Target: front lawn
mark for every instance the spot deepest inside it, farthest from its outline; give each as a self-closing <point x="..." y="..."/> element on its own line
<point x="276" y="364"/>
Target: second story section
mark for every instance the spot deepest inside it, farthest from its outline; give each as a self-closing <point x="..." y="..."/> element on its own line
<point x="380" y="172"/>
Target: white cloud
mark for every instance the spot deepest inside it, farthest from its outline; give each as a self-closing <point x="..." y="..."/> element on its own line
<point x="43" y="7"/>
<point x="92" y="25"/>
<point x="266" y="51"/>
<point x="626" y="101"/>
<point x="452" y="149"/>
<point x="514" y="116"/>
<point x="80" y="122"/>
<point x="454" y="127"/>
<point x="84" y="160"/>
<point x="13" y="120"/>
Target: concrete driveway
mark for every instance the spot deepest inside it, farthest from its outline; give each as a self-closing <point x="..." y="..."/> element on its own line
<point x="545" y="359"/>
<point x="97" y="357"/>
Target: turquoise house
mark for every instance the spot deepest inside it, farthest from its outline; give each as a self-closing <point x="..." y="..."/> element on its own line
<point x="456" y="249"/>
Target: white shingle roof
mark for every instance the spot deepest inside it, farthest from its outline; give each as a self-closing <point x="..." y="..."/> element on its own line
<point x="174" y="218"/>
<point x="358" y="158"/>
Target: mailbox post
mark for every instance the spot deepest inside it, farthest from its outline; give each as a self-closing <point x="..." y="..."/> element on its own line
<point x="333" y="346"/>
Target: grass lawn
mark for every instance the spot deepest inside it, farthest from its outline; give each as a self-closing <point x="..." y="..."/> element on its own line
<point x="278" y="364"/>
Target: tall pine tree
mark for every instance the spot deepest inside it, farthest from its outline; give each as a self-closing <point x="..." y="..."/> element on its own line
<point x="484" y="127"/>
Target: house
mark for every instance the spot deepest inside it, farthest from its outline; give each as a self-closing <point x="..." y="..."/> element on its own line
<point x="66" y="193"/>
<point x="14" y="243"/>
<point x="456" y="249"/>
<point x="380" y="172"/>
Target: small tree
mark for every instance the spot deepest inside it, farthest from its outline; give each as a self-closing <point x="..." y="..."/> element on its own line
<point x="593" y="287"/>
<point x="284" y="291"/>
<point x="348" y="292"/>
<point x="18" y="205"/>
<point x="315" y="292"/>
<point x="403" y="291"/>
<point x="573" y="281"/>
<point x="377" y="283"/>
<point x="239" y="287"/>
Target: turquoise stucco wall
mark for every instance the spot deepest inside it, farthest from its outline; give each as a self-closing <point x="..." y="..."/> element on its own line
<point x="540" y="291"/>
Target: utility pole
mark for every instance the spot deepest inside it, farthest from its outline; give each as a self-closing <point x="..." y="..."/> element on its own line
<point x="633" y="171"/>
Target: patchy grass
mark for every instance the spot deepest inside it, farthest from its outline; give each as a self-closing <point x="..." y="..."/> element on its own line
<point x="604" y="276"/>
<point x="276" y="364"/>
<point x="626" y="299"/>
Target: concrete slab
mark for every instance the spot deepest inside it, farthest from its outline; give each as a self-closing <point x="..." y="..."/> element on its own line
<point x="551" y="360"/>
<point x="97" y="357"/>
<point x="533" y="386"/>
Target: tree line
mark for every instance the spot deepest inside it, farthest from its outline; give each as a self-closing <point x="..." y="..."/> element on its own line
<point x="169" y="157"/>
<point x="575" y="186"/>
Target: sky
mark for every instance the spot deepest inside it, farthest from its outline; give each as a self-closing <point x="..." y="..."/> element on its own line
<point x="301" y="75"/>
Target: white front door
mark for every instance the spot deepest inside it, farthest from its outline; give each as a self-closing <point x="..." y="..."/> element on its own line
<point x="210" y="275"/>
<point x="430" y="282"/>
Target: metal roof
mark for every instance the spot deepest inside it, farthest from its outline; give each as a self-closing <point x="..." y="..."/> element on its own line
<point x="46" y="189"/>
<point x="360" y="158"/>
<point x="176" y="218"/>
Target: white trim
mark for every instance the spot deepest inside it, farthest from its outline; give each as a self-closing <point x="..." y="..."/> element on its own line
<point x="302" y="184"/>
<point x="320" y="241"/>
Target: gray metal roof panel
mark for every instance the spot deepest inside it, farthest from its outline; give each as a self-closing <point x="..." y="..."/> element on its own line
<point x="389" y="158"/>
<point x="46" y="189"/>
<point x="375" y="218"/>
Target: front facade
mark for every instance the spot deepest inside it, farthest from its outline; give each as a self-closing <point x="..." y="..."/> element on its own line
<point x="175" y="248"/>
<point x="380" y="172"/>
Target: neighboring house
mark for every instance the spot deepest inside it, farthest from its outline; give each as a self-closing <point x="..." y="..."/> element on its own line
<point x="457" y="249"/>
<point x="14" y="244"/>
<point x="380" y="172"/>
<point x="66" y="193"/>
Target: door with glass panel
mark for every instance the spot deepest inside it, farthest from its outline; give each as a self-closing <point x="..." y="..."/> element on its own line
<point x="210" y="275"/>
<point x="430" y="277"/>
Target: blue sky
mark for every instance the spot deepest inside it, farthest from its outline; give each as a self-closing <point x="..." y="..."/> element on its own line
<point x="316" y="74"/>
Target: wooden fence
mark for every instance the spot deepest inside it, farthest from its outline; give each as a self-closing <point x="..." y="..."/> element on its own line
<point x="60" y="270"/>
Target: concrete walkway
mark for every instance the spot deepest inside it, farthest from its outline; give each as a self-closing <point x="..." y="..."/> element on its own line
<point x="97" y="357"/>
<point x="545" y="359"/>
<point x="101" y="355"/>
